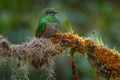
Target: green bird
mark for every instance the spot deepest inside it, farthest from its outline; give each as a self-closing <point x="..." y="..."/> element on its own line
<point x="48" y="25"/>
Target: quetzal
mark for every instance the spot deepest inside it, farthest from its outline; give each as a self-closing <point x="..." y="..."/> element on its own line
<point x="48" y="25"/>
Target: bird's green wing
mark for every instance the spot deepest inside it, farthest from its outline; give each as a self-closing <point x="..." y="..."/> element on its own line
<point x="41" y="26"/>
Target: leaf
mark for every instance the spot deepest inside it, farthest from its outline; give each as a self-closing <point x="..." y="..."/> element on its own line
<point x="101" y="41"/>
<point x="68" y="26"/>
<point x="97" y="40"/>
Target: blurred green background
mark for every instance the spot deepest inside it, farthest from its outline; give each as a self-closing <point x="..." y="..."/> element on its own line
<point x="19" y="19"/>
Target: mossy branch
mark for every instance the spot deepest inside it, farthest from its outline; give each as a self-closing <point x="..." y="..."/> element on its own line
<point x="105" y="60"/>
<point x="37" y="51"/>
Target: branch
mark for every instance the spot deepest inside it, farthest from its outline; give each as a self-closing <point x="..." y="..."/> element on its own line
<point x="39" y="52"/>
<point x="105" y="60"/>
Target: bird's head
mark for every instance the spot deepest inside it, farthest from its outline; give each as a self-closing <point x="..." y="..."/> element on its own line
<point x="50" y="11"/>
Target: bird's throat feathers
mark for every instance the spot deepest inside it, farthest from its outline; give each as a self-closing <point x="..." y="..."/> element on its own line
<point x="52" y="19"/>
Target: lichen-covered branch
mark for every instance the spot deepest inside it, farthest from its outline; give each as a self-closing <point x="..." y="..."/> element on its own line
<point x="41" y="52"/>
<point x="38" y="52"/>
<point x="105" y="60"/>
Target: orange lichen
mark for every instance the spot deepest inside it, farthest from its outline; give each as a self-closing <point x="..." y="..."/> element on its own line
<point x="71" y="40"/>
<point x="74" y="68"/>
<point x="110" y="59"/>
<point x="106" y="61"/>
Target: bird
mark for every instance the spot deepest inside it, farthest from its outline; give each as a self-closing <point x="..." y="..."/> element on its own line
<point x="48" y="25"/>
